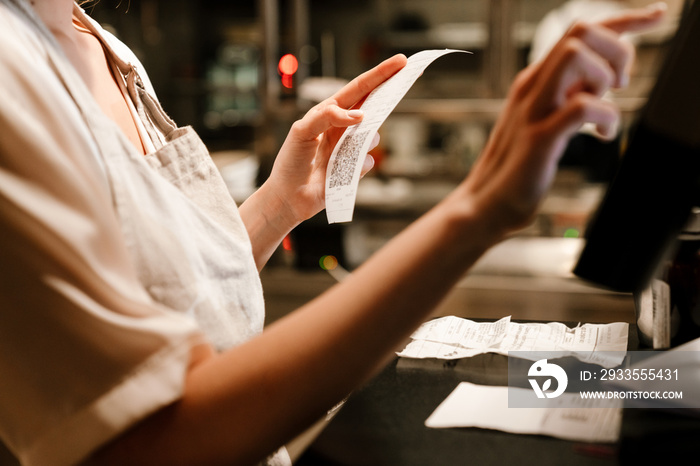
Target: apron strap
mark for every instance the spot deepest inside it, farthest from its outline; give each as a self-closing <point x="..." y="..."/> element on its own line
<point x="149" y="109"/>
<point x="155" y="121"/>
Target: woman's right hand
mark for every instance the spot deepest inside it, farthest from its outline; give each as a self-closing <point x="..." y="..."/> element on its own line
<point x="547" y="104"/>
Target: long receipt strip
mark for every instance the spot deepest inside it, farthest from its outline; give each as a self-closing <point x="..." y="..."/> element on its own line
<point x="453" y="337"/>
<point x="345" y="164"/>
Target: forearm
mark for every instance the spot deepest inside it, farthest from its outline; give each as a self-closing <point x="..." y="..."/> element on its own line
<point x="267" y="220"/>
<point x="244" y="403"/>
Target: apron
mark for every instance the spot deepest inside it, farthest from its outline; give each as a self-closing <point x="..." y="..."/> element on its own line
<point x="221" y="287"/>
<point x="182" y="227"/>
<point x="193" y="254"/>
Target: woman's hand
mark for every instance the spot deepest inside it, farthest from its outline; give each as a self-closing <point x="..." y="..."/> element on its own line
<point x="299" y="172"/>
<point x="295" y="190"/>
<point x="547" y="104"/>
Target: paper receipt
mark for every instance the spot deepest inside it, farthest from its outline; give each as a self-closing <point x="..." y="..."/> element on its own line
<point x="345" y="164"/>
<point x="454" y="337"/>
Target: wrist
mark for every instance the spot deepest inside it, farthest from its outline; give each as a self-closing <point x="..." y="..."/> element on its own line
<point x="267" y="220"/>
<point x="277" y="208"/>
<point x="472" y="227"/>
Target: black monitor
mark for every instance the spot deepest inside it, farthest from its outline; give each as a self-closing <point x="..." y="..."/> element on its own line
<point x="658" y="180"/>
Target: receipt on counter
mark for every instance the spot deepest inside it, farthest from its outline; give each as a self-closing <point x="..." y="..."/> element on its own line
<point x="453" y="337"/>
<point x="568" y="417"/>
<point x="345" y="164"/>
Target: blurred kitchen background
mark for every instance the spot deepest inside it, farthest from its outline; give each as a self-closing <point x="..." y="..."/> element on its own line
<point x="240" y="72"/>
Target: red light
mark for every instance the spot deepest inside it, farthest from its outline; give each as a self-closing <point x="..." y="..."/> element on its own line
<point x="287" y="81"/>
<point x="288" y="65"/>
<point x="287" y="243"/>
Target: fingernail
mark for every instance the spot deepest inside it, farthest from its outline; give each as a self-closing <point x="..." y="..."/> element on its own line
<point x="609" y="132"/>
<point x="624" y="80"/>
<point x="375" y="140"/>
<point x="355" y="113"/>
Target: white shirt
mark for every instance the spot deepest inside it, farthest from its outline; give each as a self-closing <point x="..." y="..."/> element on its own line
<point x="85" y="350"/>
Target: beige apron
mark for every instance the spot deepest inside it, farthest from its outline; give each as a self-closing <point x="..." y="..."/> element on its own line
<point x="185" y="235"/>
<point x="181" y="227"/>
<point x="193" y="254"/>
<point x="221" y="287"/>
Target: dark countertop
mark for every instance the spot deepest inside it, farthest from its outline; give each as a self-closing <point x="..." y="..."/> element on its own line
<point x="382" y="423"/>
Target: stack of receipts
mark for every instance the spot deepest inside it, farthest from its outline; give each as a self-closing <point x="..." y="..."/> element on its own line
<point x="567" y="416"/>
<point x="453" y="337"/>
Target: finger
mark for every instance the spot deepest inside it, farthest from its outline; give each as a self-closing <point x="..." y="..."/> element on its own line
<point x="607" y="44"/>
<point x="584" y="108"/>
<point x="608" y="131"/>
<point x="367" y="165"/>
<point x="572" y="68"/>
<point x="322" y="117"/>
<point x="586" y="71"/>
<point x="637" y="19"/>
<point x="375" y="141"/>
<point x="552" y="134"/>
<point x="362" y="85"/>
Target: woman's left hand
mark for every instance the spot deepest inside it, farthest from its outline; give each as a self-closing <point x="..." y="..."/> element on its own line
<point x="295" y="190"/>
<point x="299" y="172"/>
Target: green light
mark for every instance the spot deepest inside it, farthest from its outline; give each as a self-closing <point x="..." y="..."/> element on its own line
<point x="571" y="233"/>
<point x="328" y="262"/>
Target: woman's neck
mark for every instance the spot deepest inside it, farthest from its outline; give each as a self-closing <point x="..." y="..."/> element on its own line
<point x="56" y="15"/>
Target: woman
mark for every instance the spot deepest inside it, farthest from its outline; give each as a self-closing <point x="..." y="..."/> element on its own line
<point x="131" y="323"/>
